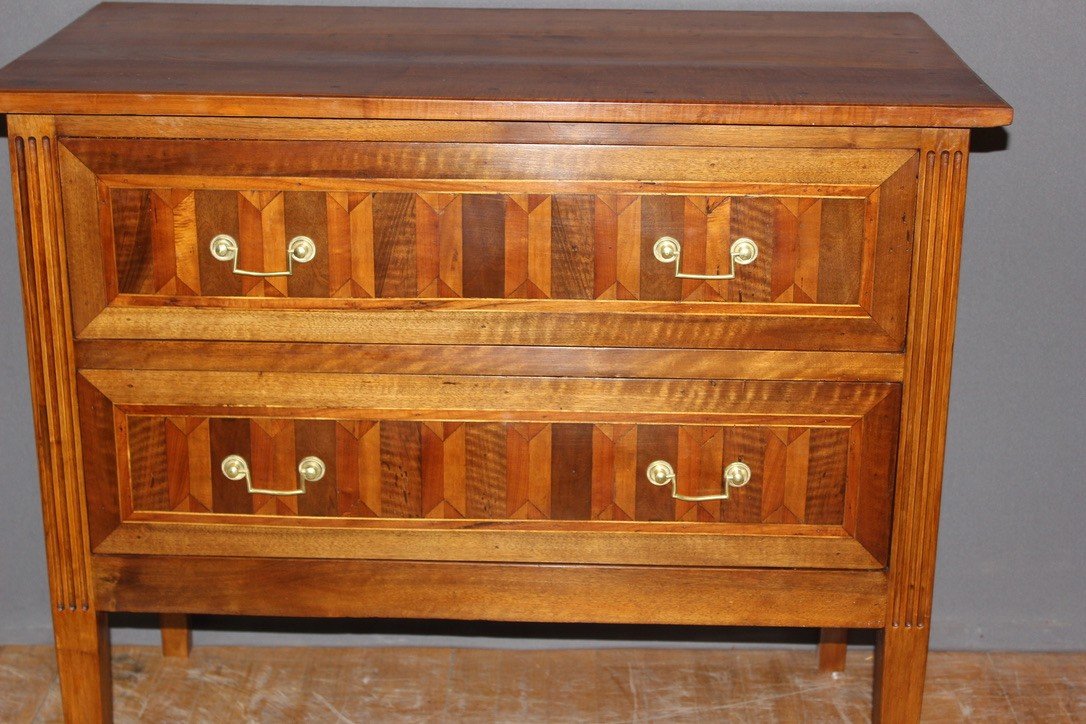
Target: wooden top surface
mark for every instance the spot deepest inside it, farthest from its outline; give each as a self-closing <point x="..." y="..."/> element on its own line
<point x="878" y="69"/>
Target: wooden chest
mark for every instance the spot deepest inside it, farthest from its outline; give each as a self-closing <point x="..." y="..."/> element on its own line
<point x="512" y="315"/>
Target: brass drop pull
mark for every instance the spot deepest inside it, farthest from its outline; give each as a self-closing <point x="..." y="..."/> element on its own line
<point x="310" y="470"/>
<point x="301" y="249"/>
<point x="660" y="473"/>
<point x="668" y="250"/>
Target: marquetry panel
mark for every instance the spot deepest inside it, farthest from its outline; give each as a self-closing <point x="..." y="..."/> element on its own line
<point x="491" y="471"/>
<point x="513" y="243"/>
<point x="512" y="246"/>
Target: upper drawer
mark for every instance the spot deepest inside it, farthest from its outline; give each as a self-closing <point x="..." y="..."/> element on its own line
<point x="510" y="243"/>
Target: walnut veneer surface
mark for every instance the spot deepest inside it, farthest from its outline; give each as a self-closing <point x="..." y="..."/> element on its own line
<point x="645" y="317"/>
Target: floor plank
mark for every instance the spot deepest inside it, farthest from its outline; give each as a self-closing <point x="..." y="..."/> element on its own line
<point x="612" y="685"/>
<point x="27" y="674"/>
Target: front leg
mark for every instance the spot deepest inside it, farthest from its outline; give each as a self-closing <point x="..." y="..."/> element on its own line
<point x="82" y="645"/>
<point x="901" y="657"/>
<point x="901" y="649"/>
<point x="80" y="630"/>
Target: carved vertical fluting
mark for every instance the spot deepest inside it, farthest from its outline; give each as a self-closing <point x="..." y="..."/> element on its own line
<point x="80" y="631"/>
<point x="927" y="385"/>
<point x="902" y="646"/>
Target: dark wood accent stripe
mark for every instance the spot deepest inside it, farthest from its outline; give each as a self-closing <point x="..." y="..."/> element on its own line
<point x="484" y="261"/>
<point x="654" y="443"/>
<point x="571" y="471"/>
<point x="229" y="436"/>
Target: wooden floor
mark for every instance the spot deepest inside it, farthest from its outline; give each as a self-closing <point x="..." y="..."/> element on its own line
<point x="477" y="685"/>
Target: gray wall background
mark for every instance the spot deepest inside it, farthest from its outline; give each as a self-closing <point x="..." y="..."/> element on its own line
<point x="1010" y="572"/>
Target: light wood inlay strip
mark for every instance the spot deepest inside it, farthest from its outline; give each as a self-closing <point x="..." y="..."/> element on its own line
<point x="608" y="307"/>
<point x="207" y="181"/>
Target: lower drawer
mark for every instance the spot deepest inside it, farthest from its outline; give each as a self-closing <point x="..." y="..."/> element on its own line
<point x="487" y="471"/>
<point x="759" y="488"/>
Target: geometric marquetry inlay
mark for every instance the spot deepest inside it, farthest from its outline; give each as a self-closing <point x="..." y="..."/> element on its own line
<point x="487" y="245"/>
<point x="490" y="470"/>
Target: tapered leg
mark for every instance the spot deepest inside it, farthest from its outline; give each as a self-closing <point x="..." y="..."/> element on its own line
<point x="176" y="635"/>
<point x="82" y="643"/>
<point x="81" y="632"/>
<point x="832" y="648"/>
<point x="901" y="657"/>
<point x="901" y="649"/>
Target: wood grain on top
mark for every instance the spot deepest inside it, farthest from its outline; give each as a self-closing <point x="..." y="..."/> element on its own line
<point x="878" y="69"/>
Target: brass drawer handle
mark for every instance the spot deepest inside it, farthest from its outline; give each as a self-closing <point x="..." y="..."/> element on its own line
<point x="310" y="470"/>
<point x="667" y="250"/>
<point x="301" y="249"/>
<point x="660" y="472"/>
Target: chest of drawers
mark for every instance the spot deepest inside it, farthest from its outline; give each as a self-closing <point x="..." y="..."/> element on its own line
<point x="511" y="315"/>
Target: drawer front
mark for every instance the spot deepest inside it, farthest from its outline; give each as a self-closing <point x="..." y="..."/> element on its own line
<point x="512" y="244"/>
<point x="790" y="474"/>
<point x="505" y="471"/>
<point x="419" y="245"/>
